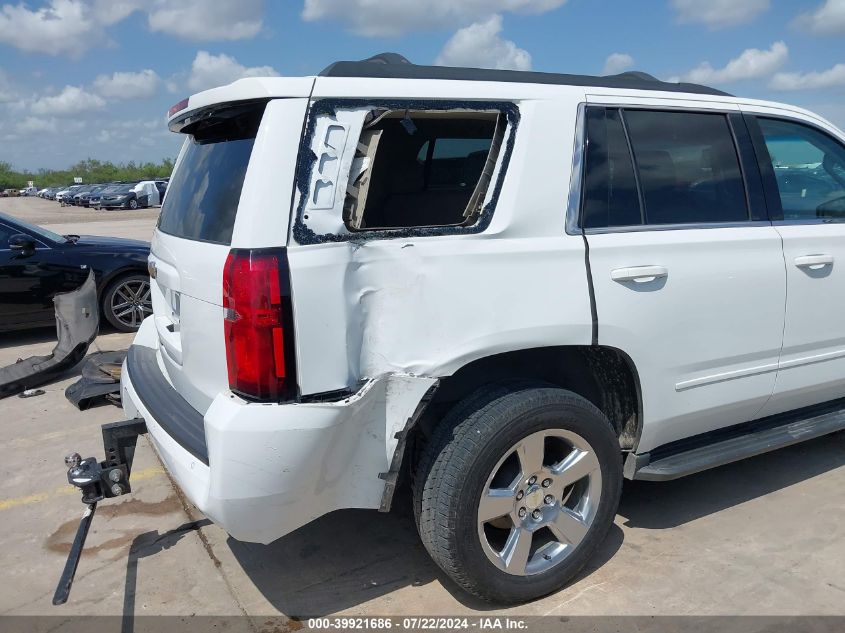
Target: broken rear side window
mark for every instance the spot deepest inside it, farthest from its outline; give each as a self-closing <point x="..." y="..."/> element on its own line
<point x="383" y="168"/>
<point x="421" y="168"/>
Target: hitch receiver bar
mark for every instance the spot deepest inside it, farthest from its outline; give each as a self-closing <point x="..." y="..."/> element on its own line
<point x="98" y="481"/>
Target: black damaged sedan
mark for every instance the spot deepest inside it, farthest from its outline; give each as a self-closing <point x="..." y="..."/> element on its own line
<point x="36" y="264"/>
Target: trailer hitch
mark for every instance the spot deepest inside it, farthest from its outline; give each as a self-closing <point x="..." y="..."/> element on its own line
<point x="99" y="480"/>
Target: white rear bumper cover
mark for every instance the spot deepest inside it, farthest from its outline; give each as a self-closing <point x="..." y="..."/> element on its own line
<point x="273" y="468"/>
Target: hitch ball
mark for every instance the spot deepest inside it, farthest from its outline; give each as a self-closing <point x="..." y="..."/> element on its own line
<point x="72" y="460"/>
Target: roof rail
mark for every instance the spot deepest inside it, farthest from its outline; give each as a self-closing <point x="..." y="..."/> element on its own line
<point x="395" y="66"/>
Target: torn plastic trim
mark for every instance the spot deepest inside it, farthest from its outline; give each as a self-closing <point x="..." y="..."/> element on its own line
<point x="100" y="378"/>
<point x="391" y="477"/>
<point x="77" y="324"/>
<point x="307" y="159"/>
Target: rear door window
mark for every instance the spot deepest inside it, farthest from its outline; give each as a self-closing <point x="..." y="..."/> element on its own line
<point x="204" y="191"/>
<point x="688" y="167"/>
<point x="610" y="187"/>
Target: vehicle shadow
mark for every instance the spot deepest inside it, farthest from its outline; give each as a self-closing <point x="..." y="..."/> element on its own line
<point x="662" y="505"/>
<point x="349" y="557"/>
<point x="144" y="545"/>
<point x="28" y="337"/>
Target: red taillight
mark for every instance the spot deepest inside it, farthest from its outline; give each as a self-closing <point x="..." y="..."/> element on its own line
<point x="259" y="325"/>
<point x="177" y="107"/>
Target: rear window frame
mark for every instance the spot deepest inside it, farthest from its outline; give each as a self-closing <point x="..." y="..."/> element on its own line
<point x="306" y="159"/>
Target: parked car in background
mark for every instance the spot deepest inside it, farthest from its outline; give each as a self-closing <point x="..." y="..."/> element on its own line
<point x="36" y="264"/>
<point x="10" y="193"/>
<point x="148" y="193"/>
<point x="84" y="199"/>
<point x="123" y="196"/>
<point x="75" y="199"/>
<point x="161" y="185"/>
<point x="29" y="191"/>
<point x="65" y="196"/>
<point x="95" y="197"/>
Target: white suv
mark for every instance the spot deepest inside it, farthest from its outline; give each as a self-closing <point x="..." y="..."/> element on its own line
<point x="511" y="289"/>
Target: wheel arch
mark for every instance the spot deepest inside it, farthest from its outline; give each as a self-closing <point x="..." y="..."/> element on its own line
<point x="113" y="275"/>
<point x="605" y="376"/>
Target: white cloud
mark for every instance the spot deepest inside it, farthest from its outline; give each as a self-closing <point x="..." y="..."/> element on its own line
<point x="127" y="85"/>
<point x="751" y="64"/>
<point x="717" y="14"/>
<point x="7" y="89"/>
<point x="208" y="71"/>
<point x="391" y="18"/>
<point x="617" y="63"/>
<point x="113" y="11"/>
<point x="827" y="19"/>
<point x="829" y="78"/>
<point x="34" y="125"/>
<point x="207" y="20"/>
<point x="71" y="27"/>
<point x="479" y="45"/>
<point x="61" y="27"/>
<point x="71" y="100"/>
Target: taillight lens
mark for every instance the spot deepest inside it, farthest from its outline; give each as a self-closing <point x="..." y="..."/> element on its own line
<point x="260" y="351"/>
<point x="177" y="107"/>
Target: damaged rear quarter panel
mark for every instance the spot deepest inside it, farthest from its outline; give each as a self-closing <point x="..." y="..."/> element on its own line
<point x="426" y="303"/>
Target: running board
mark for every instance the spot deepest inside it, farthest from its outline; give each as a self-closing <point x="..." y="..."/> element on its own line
<point x="754" y="442"/>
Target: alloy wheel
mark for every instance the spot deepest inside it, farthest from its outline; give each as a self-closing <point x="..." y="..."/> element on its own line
<point x="131" y="302"/>
<point x="539" y="502"/>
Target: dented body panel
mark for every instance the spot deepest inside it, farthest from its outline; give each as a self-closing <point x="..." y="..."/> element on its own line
<point x="381" y="302"/>
<point x="272" y="469"/>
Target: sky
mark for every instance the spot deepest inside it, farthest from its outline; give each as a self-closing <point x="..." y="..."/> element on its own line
<point x="94" y="78"/>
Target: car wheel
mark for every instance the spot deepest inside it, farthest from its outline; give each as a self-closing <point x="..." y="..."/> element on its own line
<point x="127" y="302"/>
<point x="132" y="204"/>
<point x="516" y="490"/>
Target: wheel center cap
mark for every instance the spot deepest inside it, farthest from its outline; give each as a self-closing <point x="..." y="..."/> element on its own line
<point x="534" y="497"/>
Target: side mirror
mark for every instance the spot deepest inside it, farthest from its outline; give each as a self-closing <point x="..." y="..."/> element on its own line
<point x="22" y="244"/>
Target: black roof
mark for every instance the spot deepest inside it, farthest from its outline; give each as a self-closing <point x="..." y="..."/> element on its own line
<point x="395" y="66"/>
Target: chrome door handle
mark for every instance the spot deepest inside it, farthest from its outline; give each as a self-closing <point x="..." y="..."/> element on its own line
<point x="814" y="261"/>
<point x="640" y="274"/>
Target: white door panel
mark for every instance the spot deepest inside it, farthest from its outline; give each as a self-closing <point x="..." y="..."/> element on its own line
<point x="812" y="364"/>
<point x="808" y="177"/>
<point x="700" y="313"/>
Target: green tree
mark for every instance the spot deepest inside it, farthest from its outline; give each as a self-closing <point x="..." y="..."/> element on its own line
<point x="90" y="170"/>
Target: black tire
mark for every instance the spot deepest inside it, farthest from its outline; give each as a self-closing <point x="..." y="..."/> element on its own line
<point x="132" y="204"/>
<point x="108" y="301"/>
<point x="463" y="452"/>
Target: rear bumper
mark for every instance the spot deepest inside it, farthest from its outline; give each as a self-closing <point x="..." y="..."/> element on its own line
<point x="270" y="469"/>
